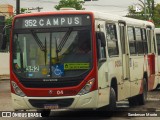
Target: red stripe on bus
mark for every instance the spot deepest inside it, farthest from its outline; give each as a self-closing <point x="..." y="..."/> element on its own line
<point x="151" y="81"/>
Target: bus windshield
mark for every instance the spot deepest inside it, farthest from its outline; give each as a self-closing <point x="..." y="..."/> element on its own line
<point x="52" y="54"/>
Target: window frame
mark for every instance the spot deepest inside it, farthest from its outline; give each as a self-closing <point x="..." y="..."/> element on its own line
<point x="139" y="41"/>
<point x="115" y="40"/>
<point x="144" y="34"/>
<point x="133" y="41"/>
<point x="149" y="41"/>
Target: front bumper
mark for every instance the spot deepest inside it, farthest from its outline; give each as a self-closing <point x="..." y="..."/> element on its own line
<point x="87" y="101"/>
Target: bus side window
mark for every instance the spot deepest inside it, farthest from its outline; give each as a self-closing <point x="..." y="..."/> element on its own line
<point x="101" y="45"/>
<point x="139" y="42"/>
<point x="132" y="42"/>
<point x="111" y="36"/>
<point x="154" y="42"/>
<point x="144" y="39"/>
<point x="149" y="40"/>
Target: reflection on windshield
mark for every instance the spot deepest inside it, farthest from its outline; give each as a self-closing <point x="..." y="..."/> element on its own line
<point x="74" y="57"/>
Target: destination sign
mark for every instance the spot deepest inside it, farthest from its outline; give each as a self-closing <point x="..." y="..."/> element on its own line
<point x="52" y="21"/>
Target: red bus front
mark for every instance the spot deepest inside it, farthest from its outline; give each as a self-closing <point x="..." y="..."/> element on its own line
<point x="53" y="61"/>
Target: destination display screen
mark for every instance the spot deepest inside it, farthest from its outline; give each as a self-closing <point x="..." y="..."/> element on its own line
<point x="52" y="21"/>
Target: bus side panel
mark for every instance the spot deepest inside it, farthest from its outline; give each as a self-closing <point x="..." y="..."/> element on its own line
<point x="153" y="79"/>
<point x="103" y="87"/>
<point x="136" y="73"/>
<point x="103" y="84"/>
<point x="151" y="62"/>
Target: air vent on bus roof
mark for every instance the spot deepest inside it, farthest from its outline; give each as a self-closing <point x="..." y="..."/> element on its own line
<point x="67" y="8"/>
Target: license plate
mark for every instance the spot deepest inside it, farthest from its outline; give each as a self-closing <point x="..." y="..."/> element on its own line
<point x="51" y="106"/>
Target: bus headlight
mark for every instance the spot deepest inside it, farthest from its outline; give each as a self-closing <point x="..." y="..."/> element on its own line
<point x="17" y="90"/>
<point x="86" y="89"/>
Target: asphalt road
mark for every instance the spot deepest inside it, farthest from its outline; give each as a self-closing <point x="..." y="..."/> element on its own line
<point x="152" y="106"/>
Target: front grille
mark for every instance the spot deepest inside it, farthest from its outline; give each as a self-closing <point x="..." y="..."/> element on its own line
<point x="62" y="103"/>
<point x="41" y="84"/>
<point x="60" y="83"/>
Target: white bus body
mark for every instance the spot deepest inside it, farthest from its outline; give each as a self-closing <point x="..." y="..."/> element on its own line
<point x="129" y="70"/>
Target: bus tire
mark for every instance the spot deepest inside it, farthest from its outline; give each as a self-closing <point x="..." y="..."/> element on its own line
<point x="44" y="112"/>
<point x="142" y="98"/>
<point x="112" y="100"/>
<point x="109" y="109"/>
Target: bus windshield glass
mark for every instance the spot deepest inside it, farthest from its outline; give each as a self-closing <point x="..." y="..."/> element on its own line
<point x="52" y="53"/>
<point x="58" y="57"/>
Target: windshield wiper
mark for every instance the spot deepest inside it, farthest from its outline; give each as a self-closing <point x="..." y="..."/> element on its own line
<point x="40" y="44"/>
<point x="38" y="41"/>
<point x="63" y="41"/>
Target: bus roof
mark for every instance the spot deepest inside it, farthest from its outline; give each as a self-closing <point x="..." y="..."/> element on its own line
<point x="98" y="15"/>
<point x="116" y="18"/>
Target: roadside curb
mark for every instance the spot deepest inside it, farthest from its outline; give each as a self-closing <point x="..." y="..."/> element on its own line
<point x="4" y="77"/>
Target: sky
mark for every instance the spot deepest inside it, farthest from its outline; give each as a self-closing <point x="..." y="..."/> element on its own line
<point x="118" y="7"/>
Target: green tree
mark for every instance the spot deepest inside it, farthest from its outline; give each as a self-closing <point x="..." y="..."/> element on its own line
<point x="24" y="10"/>
<point x="147" y="14"/>
<point x="157" y="15"/>
<point x="8" y="21"/>
<point x="152" y="12"/>
<point x="77" y="4"/>
<point x="133" y="14"/>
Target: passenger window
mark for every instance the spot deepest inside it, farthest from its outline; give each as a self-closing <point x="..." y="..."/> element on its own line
<point x="144" y="39"/>
<point x="122" y="38"/>
<point x="154" y="44"/>
<point x="111" y="36"/>
<point x="149" y="39"/>
<point x="139" y="42"/>
<point x="132" y="42"/>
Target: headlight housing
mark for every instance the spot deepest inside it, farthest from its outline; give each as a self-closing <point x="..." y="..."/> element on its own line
<point x="17" y="90"/>
<point x="86" y="89"/>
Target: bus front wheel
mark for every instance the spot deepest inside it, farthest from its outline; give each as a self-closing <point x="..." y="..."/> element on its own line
<point x="112" y="101"/>
<point x="109" y="109"/>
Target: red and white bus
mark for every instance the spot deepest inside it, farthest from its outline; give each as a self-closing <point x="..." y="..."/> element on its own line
<point x="80" y="60"/>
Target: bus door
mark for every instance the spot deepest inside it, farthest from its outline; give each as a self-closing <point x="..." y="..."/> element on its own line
<point x="151" y="58"/>
<point x="125" y="60"/>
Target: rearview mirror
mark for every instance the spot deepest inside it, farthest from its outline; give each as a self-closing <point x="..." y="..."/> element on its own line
<point x="101" y="44"/>
<point x="101" y="37"/>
